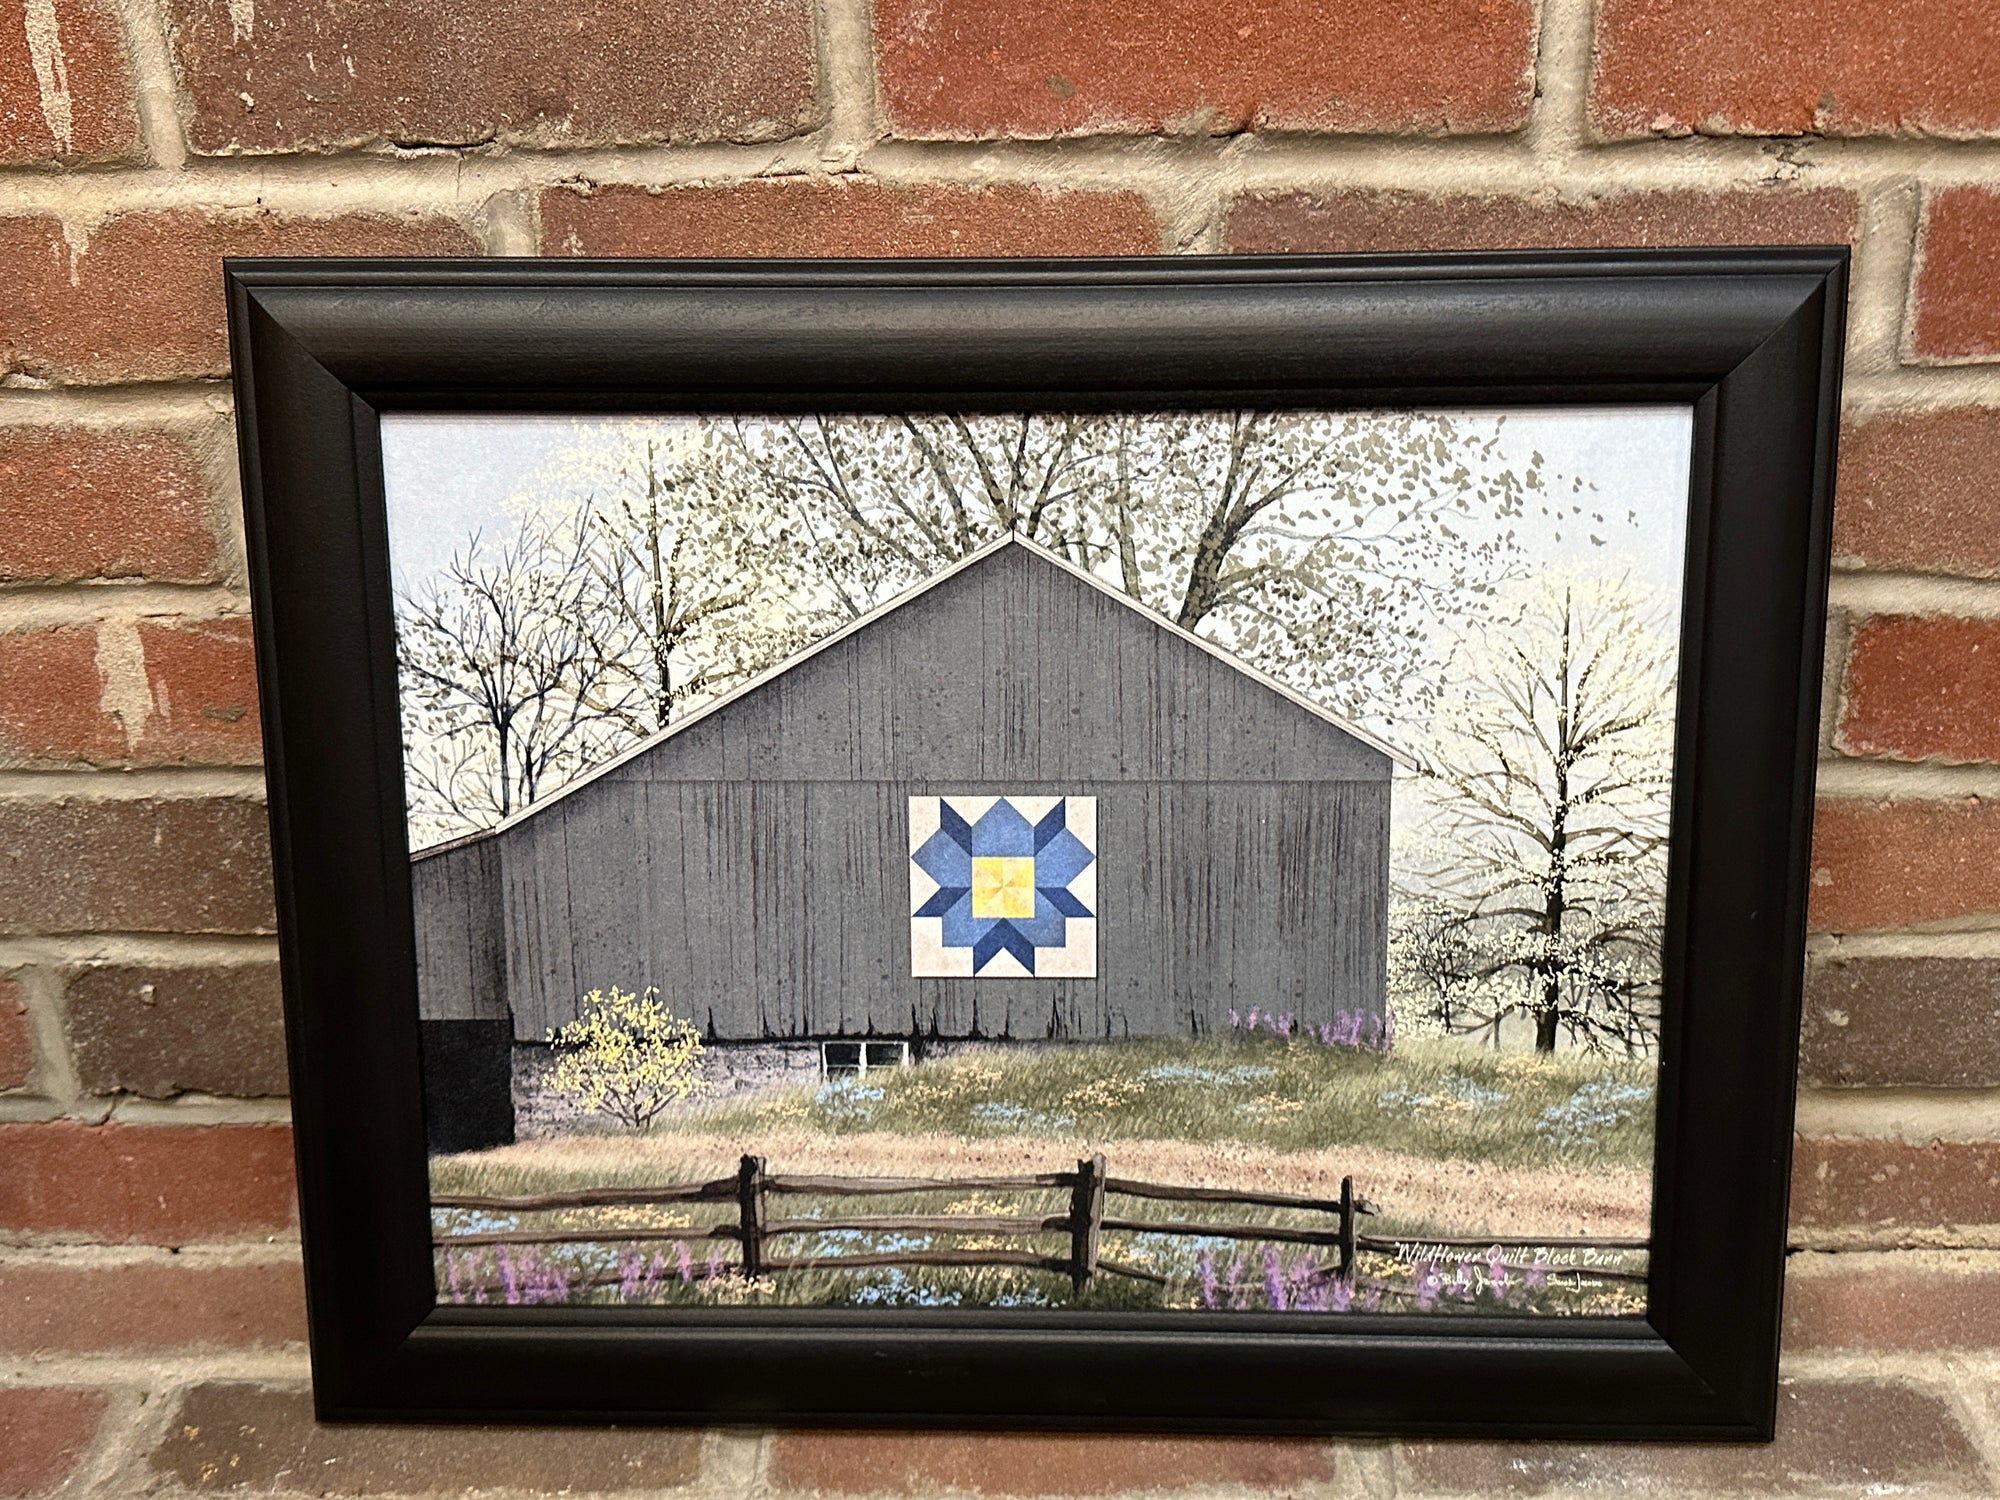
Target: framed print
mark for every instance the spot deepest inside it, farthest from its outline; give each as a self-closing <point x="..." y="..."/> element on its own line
<point x="1210" y="843"/>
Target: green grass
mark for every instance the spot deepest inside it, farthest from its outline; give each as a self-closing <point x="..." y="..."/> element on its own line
<point x="1430" y="1097"/>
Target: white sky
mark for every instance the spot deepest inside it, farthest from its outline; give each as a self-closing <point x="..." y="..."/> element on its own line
<point x="448" y="475"/>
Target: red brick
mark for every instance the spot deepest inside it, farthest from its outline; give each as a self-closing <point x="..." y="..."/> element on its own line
<point x="58" y="1309"/>
<point x="138" y="865"/>
<point x="203" y="679"/>
<point x="65" y="85"/>
<point x="43" y="1434"/>
<point x="263" y="1439"/>
<point x="1020" y="1463"/>
<point x="155" y="1184"/>
<point x="49" y="693"/>
<point x="142" y="298"/>
<point x="1898" y="1021"/>
<point x="155" y="1031"/>
<point x="1863" y="1301"/>
<point x="974" y="68"/>
<point x="1795" y="67"/>
<point x="80" y="503"/>
<point x="798" y="216"/>
<point x="1835" y="1436"/>
<point x="1920" y="490"/>
<point x="1922" y="687"/>
<point x="1893" y="1187"/>
<point x="1897" y="864"/>
<point x="1958" y="276"/>
<point x="305" y="75"/>
<point x="17" y="1043"/>
<point x="1395" y="220"/>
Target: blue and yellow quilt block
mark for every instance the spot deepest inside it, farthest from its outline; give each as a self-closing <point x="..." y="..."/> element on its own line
<point x="1003" y="887"/>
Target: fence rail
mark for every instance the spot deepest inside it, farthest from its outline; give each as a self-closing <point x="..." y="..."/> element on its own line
<point x="1085" y="1222"/>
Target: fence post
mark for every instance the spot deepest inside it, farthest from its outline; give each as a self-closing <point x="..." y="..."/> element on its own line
<point x="1347" y="1229"/>
<point x="1086" y="1220"/>
<point x="750" y="1208"/>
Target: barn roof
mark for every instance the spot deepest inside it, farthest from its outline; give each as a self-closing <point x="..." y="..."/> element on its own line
<point x="860" y="623"/>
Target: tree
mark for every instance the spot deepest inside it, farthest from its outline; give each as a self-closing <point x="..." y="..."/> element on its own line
<point x="504" y="695"/>
<point x="661" y="563"/>
<point x="1550" y="781"/>
<point x="682" y="605"/>
<point x="1319" y="546"/>
<point x="627" y="1056"/>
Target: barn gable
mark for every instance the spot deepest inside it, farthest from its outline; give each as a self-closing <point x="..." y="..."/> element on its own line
<point x="753" y="862"/>
<point x="1012" y="664"/>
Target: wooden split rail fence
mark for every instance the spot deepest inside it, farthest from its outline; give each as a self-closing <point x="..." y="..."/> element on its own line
<point x="1085" y="1222"/>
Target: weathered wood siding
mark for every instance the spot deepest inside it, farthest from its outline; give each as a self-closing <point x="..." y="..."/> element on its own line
<point x="461" y="960"/>
<point x="755" y="866"/>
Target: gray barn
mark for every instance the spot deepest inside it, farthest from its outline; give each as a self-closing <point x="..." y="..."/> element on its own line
<point x="754" y="862"/>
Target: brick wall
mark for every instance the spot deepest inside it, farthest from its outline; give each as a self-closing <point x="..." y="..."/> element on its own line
<point x="150" y="1317"/>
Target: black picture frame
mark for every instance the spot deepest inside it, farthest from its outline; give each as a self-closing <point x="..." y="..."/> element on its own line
<point x="1751" y="337"/>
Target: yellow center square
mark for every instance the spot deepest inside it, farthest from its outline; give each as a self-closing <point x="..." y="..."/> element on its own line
<point x="1003" y="885"/>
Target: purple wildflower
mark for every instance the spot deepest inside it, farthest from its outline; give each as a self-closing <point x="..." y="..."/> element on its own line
<point x="1341" y="1294"/>
<point x="1461" y="1281"/>
<point x="1429" y="1284"/>
<point x="686" y="1261"/>
<point x="1205" y="1269"/>
<point x="509" y="1281"/>
<point x="1274" y="1279"/>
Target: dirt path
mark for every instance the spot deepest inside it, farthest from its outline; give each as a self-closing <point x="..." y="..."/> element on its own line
<point x="1448" y="1196"/>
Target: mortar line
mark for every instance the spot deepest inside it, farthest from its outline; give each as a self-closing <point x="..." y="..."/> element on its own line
<point x="117" y="1444"/>
<point x="1882" y="591"/>
<point x="1906" y="347"/>
<point x="54" y="1074"/>
<point x="1514" y="162"/>
<point x="155" y="88"/>
<point x="1559" y="121"/>
<point x="1978" y="944"/>
<point x="200" y="1109"/>
<point x="92" y="783"/>
<point x="512" y="227"/>
<point x="1904" y="1114"/>
<point x="1833" y="677"/>
<point x="38" y="1109"/>
<point x="846" y="42"/>
<point x="1885" y="780"/>
<point x="179" y="406"/>
<point x="163" y="950"/>
<point x="30" y="606"/>
<point x="1921" y="388"/>
<point x="1882" y="266"/>
<point x="166" y="1370"/>
<point x="195" y="1255"/>
<point x="1810" y="1263"/>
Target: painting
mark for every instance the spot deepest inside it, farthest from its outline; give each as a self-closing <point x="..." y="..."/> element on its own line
<point x="1195" y="843"/>
<point x="1167" y="861"/>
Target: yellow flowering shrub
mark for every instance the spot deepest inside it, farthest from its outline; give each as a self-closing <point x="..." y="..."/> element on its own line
<point x="626" y="1056"/>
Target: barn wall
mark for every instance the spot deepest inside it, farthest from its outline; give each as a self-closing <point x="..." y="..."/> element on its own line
<point x="1014" y="668"/>
<point x="754" y="867"/>
<point x="461" y="974"/>
<point x="1210" y="898"/>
